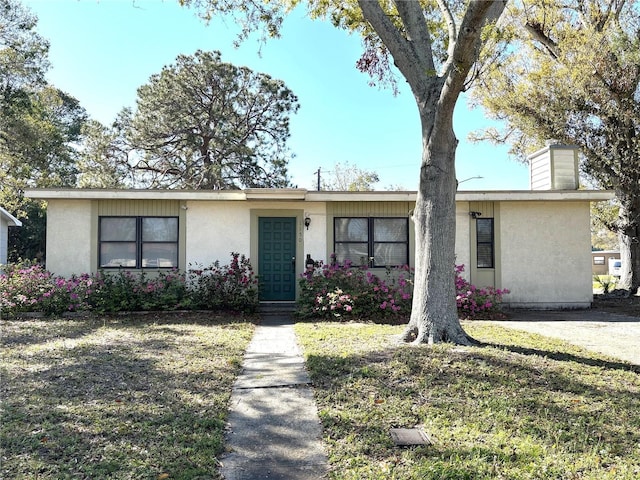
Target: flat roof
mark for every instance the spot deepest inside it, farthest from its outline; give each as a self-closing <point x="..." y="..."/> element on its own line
<point x="299" y="194"/>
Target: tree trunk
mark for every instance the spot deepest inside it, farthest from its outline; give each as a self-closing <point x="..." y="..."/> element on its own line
<point x="434" y="316"/>
<point x="629" y="236"/>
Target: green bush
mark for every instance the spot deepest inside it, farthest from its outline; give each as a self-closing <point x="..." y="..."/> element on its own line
<point x="127" y="291"/>
<point x="224" y="287"/>
<point x="27" y="287"/>
<point x="342" y="291"/>
<point x="31" y="288"/>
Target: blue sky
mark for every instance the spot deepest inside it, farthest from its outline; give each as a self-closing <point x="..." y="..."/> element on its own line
<point x="103" y="50"/>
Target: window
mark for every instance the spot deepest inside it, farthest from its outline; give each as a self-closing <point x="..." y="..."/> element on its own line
<point x="138" y="242"/>
<point x="378" y="242"/>
<point x="598" y="260"/>
<point x="484" y="242"/>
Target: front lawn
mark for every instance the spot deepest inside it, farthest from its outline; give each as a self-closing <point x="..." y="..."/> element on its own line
<point x="521" y="407"/>
<point x="140" y="397"/>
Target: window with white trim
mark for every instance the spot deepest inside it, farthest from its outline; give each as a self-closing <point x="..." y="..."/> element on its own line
<point x="373" y="241"/>
<point x="138" y="242"/>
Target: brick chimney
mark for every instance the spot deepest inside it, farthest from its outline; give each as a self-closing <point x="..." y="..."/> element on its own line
<point x="554" y="167"/>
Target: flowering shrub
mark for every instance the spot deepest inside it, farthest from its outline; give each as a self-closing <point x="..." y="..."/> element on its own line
<point x="31" y="288"/>
<point x="127" y="291"/>
<point x="336" y="303"/>
<point x="341" y="290"/>
<point x="226" y="287"/>
<point x="474" y="302"/>
<point x="344" y="291"/>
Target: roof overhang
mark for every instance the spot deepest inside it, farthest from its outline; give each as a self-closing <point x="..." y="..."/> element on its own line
<point x="298" y="194"/>
<point x="11" y="220"/>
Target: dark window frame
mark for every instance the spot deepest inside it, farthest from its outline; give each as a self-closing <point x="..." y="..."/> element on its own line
<point x="139" y="242"/>
<point x="490" y="243"/>
<point x="371" y="242"/>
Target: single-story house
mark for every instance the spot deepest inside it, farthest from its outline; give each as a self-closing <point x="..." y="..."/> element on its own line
<point x="6" y="220"/>
<point x="534" y="242"/>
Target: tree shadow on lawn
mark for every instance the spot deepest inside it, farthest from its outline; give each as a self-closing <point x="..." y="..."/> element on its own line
<point x="566" y="357"/>
<point x="135" y="405"/>
<point x="498" y="406"/>
<point x="29" y="331"/>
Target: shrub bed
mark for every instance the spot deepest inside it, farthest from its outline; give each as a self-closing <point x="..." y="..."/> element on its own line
<point x="342" y="291"/>
<point x="31" y="288"/>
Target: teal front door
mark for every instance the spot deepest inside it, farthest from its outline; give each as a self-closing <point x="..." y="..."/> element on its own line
<point x="277" y="258"/>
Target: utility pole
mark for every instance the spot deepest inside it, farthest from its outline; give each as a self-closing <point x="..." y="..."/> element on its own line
<point x="318" y="173"/>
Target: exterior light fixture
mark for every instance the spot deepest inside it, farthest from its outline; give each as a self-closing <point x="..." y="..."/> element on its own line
<point x="307" y="222"/>
<point x="475" y="215"/>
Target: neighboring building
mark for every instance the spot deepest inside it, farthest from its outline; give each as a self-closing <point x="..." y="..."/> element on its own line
<point x="606" y="262"/>
<point x="6" y="220"/>
<point x="534" y="242"/>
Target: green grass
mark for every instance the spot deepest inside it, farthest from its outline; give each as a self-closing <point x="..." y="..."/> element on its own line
<point x="144" y="397"/>
<point x="520" y="407"/>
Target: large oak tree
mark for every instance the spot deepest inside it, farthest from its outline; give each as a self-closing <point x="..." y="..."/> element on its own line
<point x="434" y="44"/>
<point x="572" y="73"/>
<point x="205" y="124"/>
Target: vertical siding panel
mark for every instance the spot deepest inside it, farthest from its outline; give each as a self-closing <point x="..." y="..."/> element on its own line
<point x="147" y="208"/>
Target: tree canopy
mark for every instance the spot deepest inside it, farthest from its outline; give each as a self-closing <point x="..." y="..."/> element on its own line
<point x="205" y="124"/>
<point x="572" y="73"/>
<point x="348" y="177"/>
<point x="434" y="44"/>
<point x="39" y="125"/>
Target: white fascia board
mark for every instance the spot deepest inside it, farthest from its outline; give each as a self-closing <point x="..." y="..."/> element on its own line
<point x="371" y="196"/>
<point x="132" y="194"/>
<point x="535" y="195"/>
<point x="275" y="193"/>
<point x="314" y="196"/>
<point x="11" y="220"/>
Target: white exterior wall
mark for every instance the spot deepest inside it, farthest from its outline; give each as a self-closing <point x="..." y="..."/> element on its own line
<point x="315" y="239"/>
<point x="546" y="254"/>
<point x="69" y="241"/>
<point x="463" y="247"/>
<point x="214" y="229"/>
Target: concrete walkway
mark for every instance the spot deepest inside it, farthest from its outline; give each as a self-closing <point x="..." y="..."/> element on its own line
<point x="274" y="427"/>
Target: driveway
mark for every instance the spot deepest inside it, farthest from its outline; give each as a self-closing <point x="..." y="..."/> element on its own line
<point x="612" y="334"/>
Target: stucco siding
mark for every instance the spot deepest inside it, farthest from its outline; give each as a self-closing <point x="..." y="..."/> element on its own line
<point x="214" y="230"/>
<point x="315" y="237"/>
<point x="546" y="254"/>
<point x="69" y="237"/>
<point x="463" y="252"/>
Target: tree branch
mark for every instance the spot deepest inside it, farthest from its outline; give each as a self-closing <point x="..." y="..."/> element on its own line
<point x="418" y="36"/>
<point x="453" y="32"/>
<point x="403" y="53"/>
<point x="478" y="14"/>
<point x="539" y="36"/>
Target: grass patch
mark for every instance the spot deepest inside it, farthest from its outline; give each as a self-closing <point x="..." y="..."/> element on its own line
<point x="141" y="397"/>
<point x="522" y="406"/>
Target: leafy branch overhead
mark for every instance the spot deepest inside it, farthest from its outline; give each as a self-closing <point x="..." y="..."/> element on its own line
<point x="573" y="74"/>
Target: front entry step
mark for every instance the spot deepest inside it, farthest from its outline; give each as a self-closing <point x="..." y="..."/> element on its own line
<point x="275" y="308"/>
